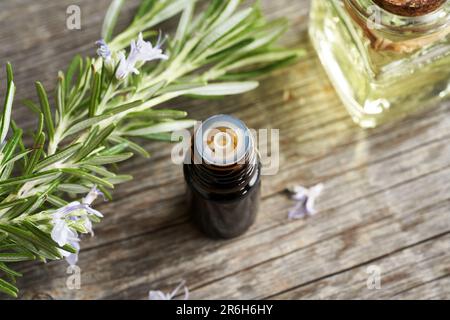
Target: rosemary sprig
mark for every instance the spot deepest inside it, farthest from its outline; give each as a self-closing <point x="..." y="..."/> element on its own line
<point x="96" y="115"/>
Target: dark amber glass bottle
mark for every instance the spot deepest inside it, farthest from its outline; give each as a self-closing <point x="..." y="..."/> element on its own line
<point x="223" y="177"/>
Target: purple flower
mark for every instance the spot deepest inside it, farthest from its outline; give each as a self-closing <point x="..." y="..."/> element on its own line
<point x="140" y="51"/>
<point x="103" y="50"/>
<point x="305" y="199"/>
<point x="92" y="195"/>
<point x="159" y="295"/>
<point x="62" y="234"/>
<point x="74" y="206"/>
<point x="72" y="258"/>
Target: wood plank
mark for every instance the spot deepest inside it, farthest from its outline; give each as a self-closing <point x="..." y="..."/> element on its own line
<point x="290" y="252"/>
<point x="434" y="290"/>
<point x="156" y="198"/>
<point x="161" y="183"/>
<point x="402" y="274"/>
<point x="386" y="189"/>
<point x="313" y="262"/>
<point x="160" y="172"/>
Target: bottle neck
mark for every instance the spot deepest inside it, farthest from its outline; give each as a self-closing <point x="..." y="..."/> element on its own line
<point x="410" y="8"/>
<point x="224" y="160"/>
<point x="385" y="21"/>
<point x="387" y="31"/>
<point x="225" y="181"/>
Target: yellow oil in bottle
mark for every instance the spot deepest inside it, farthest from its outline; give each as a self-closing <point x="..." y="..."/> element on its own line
<point x="383" y="65"/>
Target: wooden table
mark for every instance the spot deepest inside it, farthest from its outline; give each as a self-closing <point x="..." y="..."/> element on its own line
<point x="386" y="201"/>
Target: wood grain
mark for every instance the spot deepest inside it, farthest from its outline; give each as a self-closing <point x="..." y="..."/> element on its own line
<point x="386" y="199"/>
<point x="402" y="275"/>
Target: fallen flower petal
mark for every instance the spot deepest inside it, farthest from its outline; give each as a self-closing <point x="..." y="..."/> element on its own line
<point x="313" y="194"/>
<point x="297" y="212"/>
<point x="299" y="193"/>
<point x="159" y="295"/>
<point x="305" y="199"/>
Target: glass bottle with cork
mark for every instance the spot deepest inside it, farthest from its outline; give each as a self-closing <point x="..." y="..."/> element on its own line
<point x="386" y="58"/>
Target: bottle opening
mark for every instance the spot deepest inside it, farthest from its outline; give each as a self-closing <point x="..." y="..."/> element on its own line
<point x="222" y="140"/>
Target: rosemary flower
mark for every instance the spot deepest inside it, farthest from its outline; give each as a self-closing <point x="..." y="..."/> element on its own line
<point x="72" y="258"/>
<point x="63" y="234"/>
<point x="103" y="50"/>
<point x="141" y="51"/>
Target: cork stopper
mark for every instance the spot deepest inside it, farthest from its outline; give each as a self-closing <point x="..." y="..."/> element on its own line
<point x="410" y="8"/>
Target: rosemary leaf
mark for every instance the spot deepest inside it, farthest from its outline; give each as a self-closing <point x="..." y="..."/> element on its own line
<point x="87" y="176"/>
<point x="61" y="155"/>
<point x="45" y="107"/>
<point x="9" y="271"/>
<point x="162" y="127"/>
<point x="8" y="288"/>
<point x="223" y="89"/>
<point x="102" y="160"/>
<point x="6" y="115"/>
<point x="30" y="177"/>
<point x="111" y="19"/>
<point x="14" y="257"/>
